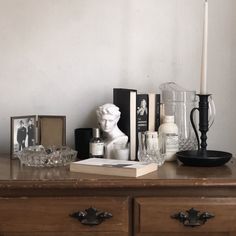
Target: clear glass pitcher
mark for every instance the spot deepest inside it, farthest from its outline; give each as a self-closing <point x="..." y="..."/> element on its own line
<point x="179" y="102"/>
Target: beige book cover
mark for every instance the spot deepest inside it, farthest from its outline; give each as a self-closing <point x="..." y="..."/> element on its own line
<point x="113" y="167"/>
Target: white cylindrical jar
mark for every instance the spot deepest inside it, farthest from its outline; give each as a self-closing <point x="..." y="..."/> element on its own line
<point x="168" y="136"/>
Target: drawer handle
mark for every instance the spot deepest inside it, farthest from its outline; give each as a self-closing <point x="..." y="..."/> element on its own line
<point x="91" y="216"/>
<point x="193" y="217"/>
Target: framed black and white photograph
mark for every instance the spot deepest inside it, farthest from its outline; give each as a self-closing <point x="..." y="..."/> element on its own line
<point x="23" y="133"/>
<point x="142" y="112"/>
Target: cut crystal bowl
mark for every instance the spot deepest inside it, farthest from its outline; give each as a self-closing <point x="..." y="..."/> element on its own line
<point x="39" y="156"/>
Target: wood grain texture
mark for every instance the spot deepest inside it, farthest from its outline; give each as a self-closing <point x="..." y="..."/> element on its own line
<point x="37" y="201"/>
<point x="66" y="234"/>
<point x="53" y="214"/>
<point x="154" y="214"/>
<point x="182" y="234"/>
<point x="12" y="175"/>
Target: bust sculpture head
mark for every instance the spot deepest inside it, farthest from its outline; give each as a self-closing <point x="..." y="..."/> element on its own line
<point x="108" y="116"/>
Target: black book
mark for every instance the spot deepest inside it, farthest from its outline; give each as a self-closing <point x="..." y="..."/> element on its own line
<point x="148" y="112"/>
<point x="142" y="112"/>
<point x="125" y="99"/>
<point x="153" y="111"/>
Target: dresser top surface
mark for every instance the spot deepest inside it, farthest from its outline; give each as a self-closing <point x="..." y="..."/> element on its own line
<point x="170" y="174"/>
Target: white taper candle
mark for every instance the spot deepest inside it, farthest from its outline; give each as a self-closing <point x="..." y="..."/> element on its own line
<point x="203" y="86"/>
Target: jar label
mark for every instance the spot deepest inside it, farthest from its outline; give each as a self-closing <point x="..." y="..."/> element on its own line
<point x="96" y="149"/>
<point x="172" y="142"/>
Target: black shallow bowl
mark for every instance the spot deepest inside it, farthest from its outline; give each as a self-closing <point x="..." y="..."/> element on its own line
<point x="199" y="158"/>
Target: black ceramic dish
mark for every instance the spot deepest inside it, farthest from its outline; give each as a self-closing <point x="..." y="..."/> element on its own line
<point x="203" y="158"/>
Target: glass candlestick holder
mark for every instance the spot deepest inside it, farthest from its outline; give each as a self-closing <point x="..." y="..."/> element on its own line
<point x="202" y="156"/>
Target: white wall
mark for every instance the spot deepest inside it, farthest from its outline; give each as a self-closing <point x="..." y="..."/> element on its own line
<point x="64" y="57"/>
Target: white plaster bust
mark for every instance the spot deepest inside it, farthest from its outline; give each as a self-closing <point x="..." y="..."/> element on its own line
<point x="108" y="116"/>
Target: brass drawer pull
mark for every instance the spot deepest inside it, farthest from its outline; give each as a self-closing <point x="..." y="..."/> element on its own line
<point x="91" y="216"/>
<point x="192" y="217"/>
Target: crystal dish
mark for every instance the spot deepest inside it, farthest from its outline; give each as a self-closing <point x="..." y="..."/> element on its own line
<point x="38" y="156"/>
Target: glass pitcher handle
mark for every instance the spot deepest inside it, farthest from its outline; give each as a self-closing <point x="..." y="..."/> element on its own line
<point x="194" y="126"/>
<point x="212" y="111"/>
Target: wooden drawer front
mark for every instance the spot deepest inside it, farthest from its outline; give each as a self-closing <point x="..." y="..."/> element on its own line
<point x="154" y="214"/>
<point x="53" y="214"/>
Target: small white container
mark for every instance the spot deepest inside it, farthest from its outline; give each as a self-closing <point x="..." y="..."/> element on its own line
<point x="168" y="137"/>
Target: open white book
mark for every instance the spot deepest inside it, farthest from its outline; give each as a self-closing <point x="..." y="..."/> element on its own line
<point x="113" y="167"/>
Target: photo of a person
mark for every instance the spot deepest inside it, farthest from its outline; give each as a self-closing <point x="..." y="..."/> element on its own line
<point x="21" y="135"/>
<point x="31" y="132"/>
<point x="142" y="109"/>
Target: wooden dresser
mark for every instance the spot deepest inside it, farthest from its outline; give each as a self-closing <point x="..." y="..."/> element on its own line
<point x="174" y="201"/>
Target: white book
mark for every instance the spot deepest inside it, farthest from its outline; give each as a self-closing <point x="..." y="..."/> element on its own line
<point x="113" y="167"/>
<point x="152" y="112"/>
